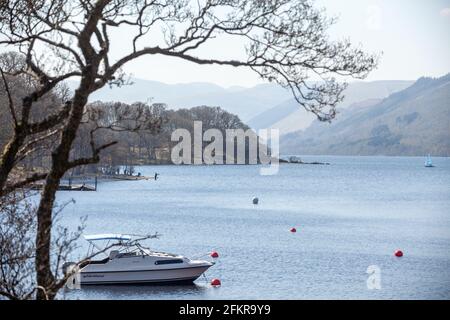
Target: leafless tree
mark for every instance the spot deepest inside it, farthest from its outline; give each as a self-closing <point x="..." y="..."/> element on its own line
<point x="17" y="248"/>
<point x="285" y="41"/>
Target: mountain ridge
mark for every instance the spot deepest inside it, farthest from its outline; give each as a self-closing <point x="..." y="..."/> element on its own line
<point x="281" y="116"/>
<point x="414" y="121"/>
<point x="246" y="102"/>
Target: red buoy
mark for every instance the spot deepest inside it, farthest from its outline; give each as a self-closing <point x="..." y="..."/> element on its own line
<point x="215" y="282"/>
<point x="214" y="254"/>
<point x="293" y="230"/>
<point x="398" y="253"/>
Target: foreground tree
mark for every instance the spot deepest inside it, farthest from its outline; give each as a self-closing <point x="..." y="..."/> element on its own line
<point x="285" y="42"/>
<point x="17" y="248"/>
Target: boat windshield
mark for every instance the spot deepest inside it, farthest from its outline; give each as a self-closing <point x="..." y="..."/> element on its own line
<point x="102" y="243"/>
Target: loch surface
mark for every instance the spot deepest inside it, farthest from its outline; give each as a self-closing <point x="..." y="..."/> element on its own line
<point x="349" y="216"/>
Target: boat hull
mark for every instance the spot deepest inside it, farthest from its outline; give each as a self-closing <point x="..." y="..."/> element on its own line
<point x="185" y="275"/>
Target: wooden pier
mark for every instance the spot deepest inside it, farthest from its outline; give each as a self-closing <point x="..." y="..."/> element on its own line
<point x="68" y="187"/>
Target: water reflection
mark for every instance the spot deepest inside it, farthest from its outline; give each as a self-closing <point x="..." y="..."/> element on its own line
<point x="196" y="291"/>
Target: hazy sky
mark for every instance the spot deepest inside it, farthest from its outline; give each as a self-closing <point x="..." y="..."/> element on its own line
<point x="414" y="36"/>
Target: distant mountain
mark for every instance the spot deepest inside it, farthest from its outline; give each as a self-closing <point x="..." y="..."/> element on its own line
<point x="244" y="102"/>
<point x="414" y="121"/>
<point x="254" y="105"/>
<point x="289" y="116"/>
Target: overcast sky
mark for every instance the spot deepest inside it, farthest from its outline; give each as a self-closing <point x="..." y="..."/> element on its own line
<point x="414" y="36"/>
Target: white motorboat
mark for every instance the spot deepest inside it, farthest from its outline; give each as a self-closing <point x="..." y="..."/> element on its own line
<point x="131" y="263"/>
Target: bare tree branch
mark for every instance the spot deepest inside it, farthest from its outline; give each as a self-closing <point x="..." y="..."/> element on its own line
<point x="10" y="101"/>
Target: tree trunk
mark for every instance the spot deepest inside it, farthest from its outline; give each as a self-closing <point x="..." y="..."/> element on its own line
<point x="9" y="156"/>
<point x="44" y="276"/>
<point x="60" y="160"/>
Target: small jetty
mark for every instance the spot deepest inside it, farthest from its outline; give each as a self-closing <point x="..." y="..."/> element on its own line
<point x="117" y="173"/>
<point x="297" y="160"/>
<point x="125" y="177"/>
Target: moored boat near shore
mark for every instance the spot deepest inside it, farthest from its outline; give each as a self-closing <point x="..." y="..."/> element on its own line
<point x="132" y="263"/>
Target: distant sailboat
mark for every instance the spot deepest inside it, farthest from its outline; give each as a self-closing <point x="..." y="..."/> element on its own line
<point x="429" y="163"/>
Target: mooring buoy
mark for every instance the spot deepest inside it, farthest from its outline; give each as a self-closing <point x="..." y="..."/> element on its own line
<point x="215" y="282"/>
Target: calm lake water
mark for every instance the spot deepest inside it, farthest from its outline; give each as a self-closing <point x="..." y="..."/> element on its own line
<point x="350" y="215"/>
